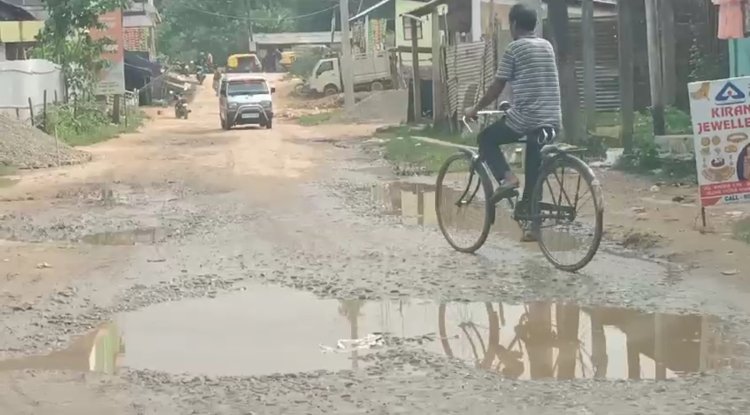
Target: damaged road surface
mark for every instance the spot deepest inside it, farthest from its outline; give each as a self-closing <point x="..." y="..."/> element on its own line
<point x="189" y="270"/>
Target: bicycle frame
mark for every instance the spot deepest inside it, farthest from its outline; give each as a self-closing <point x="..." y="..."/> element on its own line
<point x="539" y="212"/>
<point x="549" y="155"/>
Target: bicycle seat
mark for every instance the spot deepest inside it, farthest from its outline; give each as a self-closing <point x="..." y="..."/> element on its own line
<point x="544" y="134"/>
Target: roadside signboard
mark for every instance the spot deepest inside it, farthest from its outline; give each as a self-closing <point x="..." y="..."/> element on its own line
<point x="720" y="112"/>
<point x="112" y="78"/>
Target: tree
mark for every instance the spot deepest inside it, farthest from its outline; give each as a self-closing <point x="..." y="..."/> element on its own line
<point x="65" y="40"/>
<point x="558" y="18"/>
<point x="221" y="27"/>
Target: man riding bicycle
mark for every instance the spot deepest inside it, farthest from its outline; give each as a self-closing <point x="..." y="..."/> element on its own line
<point x="530" y="67"/>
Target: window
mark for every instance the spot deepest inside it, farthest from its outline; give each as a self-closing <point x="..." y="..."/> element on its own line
<point x="324" y="67"/>
<point x="407" y="28"/>
<point x="247" y="87"/>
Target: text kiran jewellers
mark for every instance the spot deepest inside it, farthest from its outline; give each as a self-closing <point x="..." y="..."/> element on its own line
<point x="740" y="119"/>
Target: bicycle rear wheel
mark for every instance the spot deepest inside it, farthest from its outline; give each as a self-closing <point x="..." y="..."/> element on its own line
<point x="568" y="213"/>
<point x="461" y="203"/>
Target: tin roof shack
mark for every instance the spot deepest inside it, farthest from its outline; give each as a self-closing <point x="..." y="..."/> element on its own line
<point x="374" y="29"/>
<point x="18" y="30"/>
<point x="263" y="43"/>
<point x="421" y="26"/>
<point x="34" y="7"/>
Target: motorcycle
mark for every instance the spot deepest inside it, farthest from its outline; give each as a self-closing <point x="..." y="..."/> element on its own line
<point x="200" y="75"/>
<point x="181" y="109"/>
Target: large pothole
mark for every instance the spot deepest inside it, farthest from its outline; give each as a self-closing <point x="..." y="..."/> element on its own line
<point x="268" y="329"/>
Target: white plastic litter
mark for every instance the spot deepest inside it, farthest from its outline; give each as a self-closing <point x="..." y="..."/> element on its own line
<point x="348" y="345"/>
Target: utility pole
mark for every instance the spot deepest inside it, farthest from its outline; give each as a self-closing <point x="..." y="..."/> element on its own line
<point x="417" y="78"/>
<point x="537" y="5"/>
<point x="668" y="41"/>
<point x="437" y="64"/>
<point x="626" y="51"/>
<point x="346" y="58"/>
<point x="655" y="66"/>
<point x="589" y="62"/>
<point x="248" y="26"/>
<point x="333" y="27"/>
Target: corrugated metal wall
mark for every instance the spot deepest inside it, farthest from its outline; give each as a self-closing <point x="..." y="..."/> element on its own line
<point x="470" y="68"/>
<point x="607" y="62"/>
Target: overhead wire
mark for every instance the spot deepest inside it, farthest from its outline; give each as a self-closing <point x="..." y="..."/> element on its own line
<point x="261" y="19"/>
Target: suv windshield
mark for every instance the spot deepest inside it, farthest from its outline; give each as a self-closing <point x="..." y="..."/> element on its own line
<point x="247" y="87"/>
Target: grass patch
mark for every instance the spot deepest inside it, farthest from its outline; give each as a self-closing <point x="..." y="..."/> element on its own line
<point x="86" y="125"/>
<point x="437" y="133"/>
<point x="412" y="156"/>
<point x="315" y="119"/>
<point x="741" y="230"/>
<point x="6" y="170"/>
<point x="645" y="157"/>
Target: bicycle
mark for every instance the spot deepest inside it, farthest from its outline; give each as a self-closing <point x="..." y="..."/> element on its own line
<point x="540" y="210"/>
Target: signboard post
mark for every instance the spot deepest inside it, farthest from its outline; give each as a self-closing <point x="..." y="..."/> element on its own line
<point x="111" y="79"/>
<point x="721" y="126"/>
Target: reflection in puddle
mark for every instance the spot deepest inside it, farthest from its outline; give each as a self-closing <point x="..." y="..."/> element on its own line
<point x="415" y="203"/>
<point x="277" y="330"/>
<point x="99" y="351"/>
<point x="4" y="182"/>
<point x="144" y="236"/>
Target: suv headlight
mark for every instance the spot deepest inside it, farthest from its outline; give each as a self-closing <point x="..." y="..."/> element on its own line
<point x="266" y="104"/>
<point x="232" y="105"/>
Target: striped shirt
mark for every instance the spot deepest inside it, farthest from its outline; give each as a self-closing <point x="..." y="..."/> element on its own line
<point x="529" y="66"/>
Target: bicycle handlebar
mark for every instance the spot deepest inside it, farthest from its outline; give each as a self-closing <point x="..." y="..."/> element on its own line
<point x="483" y="112"/>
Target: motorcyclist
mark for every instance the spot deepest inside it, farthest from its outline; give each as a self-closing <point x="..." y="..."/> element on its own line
<point x="201" y="60"/>
<point x="178" y="98"/>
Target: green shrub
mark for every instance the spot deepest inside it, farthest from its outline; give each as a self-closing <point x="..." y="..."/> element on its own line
<point x="87" y="122"/>
<point x="645" y="155"/>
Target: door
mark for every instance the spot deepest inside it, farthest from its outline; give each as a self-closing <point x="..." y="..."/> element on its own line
<point x="326" y="73"/>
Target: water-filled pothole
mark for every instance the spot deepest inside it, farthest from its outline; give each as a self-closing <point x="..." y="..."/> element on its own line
<point x="268" y="329"/>
<point x="5" y="182"/>
<point x="415" y="204"/>
<point x="141" y="236"/>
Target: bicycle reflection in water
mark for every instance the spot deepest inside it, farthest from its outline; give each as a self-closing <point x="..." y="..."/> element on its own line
<point x="564" y="341"/>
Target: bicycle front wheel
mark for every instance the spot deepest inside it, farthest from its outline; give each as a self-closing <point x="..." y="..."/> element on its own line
<point x="568" y="213"/>
<point x="461" y="203"/>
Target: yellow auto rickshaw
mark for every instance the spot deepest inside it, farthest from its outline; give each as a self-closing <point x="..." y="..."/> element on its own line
<point x="243" y="63"/>
<point x="287" y="59"/>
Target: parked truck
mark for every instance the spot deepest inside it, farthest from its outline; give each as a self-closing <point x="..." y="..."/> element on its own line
<point x="371" y="71"/>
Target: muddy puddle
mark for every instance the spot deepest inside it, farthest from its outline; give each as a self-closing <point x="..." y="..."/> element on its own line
<point x="5" y="182"/>
<point x="98" y="351"/>
<point x="143" y="236"/>
<point x="415" y="204"/>
<point x="266" y="330"/>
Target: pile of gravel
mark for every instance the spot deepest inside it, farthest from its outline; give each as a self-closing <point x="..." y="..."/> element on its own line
<point x="27" y="147"/>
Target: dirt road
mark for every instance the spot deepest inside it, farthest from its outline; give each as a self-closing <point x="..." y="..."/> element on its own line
<point x="192" y="270"/>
